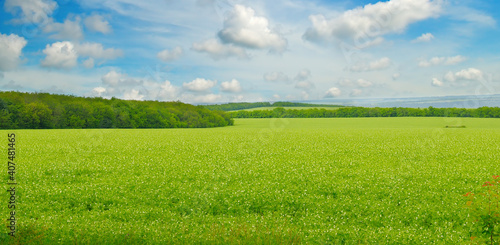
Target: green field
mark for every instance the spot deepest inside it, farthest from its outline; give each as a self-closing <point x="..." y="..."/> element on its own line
<point x="262" y="181"/>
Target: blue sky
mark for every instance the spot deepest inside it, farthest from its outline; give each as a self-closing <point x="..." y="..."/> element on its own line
<point x="216" y="51"/>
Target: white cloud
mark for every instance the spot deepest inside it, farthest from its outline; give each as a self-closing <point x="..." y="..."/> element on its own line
<point x="121" y="85"/>
<point x="360" y="83"/>
<point x="97" y="51"/>
<point x="112" y="78"/>
<point x="66" y="30"/>
<point x="345" y="82"/>
<point x="436" y="82"/>
<point x="364" y="83"/>
<point x="276" y="77"/>
<point x="395" y="76"/>
<point x="305" y="85"/>
<point x="133" y="95"/>
<point x="276" y="96"/>
<point x="98" y="91"/>
<point x="303" y="75"/>
<point x="11" y="48"/>
<point x="208" y="98"/>
<point x="238" y="98"/>
<point x="426" y="37"/>
<point x="356" y="92"/>
<point x="232" y="87"/>
<point x="380" y="64"/>
<point x="170" y="55"/>
<point x="117" y="81"/>
<point x="39" y="79"/>
<point x="88" y="63"/>
<point x="32" y="11"/>
<point x="449" y="77"/>
<point x="168" y="91"/>
<point x="65" y="54"/>
<point x="471" y="15"/>
<point x="333" y="92"/>
<point x="199" y="85"/>
<point x="39" y="12"/>
<point x="376" y="65"/>
<point x="442" y="60"/>
<point x="304" y="95"/>
<point x="431" y="62"/>
<point x="371" y="21"/>
<point x="60" y="55"/>
<point x="455" y="60"/>
<point x="470" y="74"/>
<point x="369" y="43"/>
<point x="97" y="23"/>
<point x="244" y="29"/>
<point x="218" y="51"/>
<point x="11" y="85"/>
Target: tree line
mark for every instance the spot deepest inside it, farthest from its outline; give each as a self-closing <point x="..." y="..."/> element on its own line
<point x="46" y="111"/>
<point x="280" y="112"/>
<point x="246" y="105"/>
<point x="237" y="106"/>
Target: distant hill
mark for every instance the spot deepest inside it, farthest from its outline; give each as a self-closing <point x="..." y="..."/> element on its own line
<point x="458" y="101"/>
<point x="289" y="108"/>
<point x="265" y="106"/>
<point x="46" y="111"/>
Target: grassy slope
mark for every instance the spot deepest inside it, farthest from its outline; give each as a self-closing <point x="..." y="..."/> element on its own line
<point x="376" y="180"/>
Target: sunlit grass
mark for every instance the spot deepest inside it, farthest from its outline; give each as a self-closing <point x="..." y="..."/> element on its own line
<point x="366" y="180"/>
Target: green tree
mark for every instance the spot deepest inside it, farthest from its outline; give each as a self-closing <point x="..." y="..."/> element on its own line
<point x="37" y="115"/>
<point x="103" y="115"/>
<point x="5" y="121"/>
<point x="76" y="115"/>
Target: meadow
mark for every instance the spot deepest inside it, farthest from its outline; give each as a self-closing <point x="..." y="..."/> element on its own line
<point x="261" y="181"/>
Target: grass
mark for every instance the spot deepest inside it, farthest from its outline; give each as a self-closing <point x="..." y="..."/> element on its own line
<point x="262" y="181"/>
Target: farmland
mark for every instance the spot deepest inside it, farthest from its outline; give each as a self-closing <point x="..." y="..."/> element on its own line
<point x="343" y="180"/>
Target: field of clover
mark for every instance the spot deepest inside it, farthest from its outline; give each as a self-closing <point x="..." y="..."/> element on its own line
<point x="262" y="181"/>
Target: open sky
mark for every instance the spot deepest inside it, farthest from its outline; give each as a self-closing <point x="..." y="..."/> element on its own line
<point x="215" y="51"/>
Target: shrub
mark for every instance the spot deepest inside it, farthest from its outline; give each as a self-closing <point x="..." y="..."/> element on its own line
<point x="485" y="212"/>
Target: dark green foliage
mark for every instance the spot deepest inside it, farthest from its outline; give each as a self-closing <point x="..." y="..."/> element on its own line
<point x="482" y="112"/>
<point x="45" y="111"/>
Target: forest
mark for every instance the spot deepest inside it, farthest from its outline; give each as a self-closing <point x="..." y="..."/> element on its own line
<point x="46" y="111"/>
<point x="280" y="112"/>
